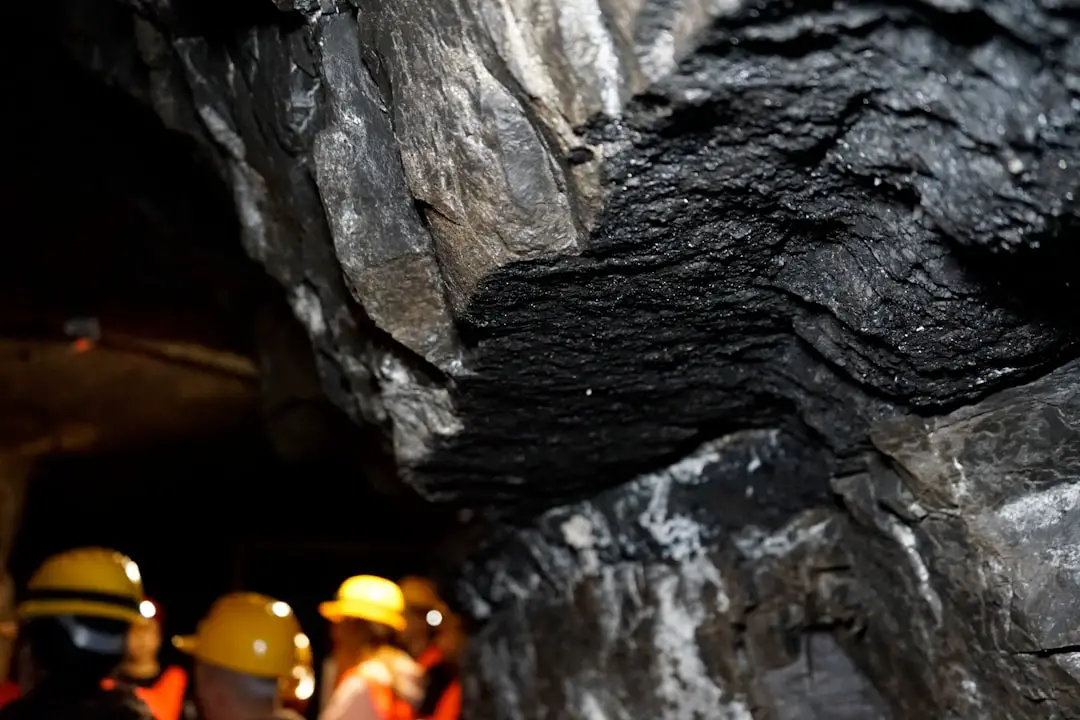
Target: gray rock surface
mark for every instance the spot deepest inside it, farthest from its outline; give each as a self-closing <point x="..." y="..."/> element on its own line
<point x="655" y="600"/>
<point x="650" y="222"/>
<point x="550" y="246"/>
<point x="948" y="587"/>
<point x="970" y="536"/>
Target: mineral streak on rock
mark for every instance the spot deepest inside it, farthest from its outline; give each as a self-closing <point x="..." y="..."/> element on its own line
<point x="669" y="614"/>
<point x="954" y="582"/>
<point x="970" y="539"/>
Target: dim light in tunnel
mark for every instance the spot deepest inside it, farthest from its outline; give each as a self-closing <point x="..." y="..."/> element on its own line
<point x="82" y="345"/>
<point x="302" y="641"/>
<point x="434" y="618"/>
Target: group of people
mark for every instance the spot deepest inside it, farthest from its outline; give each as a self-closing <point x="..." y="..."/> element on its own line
<point x="88" y="642"/>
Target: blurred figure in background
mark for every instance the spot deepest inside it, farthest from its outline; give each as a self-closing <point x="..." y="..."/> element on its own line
<point x="328" y="677"/>
<point x="162" y="689"/>
<point x="244" y="647"/>
<point x="298" y="688"/>
<point x="435" y="638"/>
<point x="378" y="680"/>
<point x="73" y="626"/>
<point x="9" y="632"/>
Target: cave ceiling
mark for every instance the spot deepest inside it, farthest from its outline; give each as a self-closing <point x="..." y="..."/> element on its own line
<point x="753" y="216"/>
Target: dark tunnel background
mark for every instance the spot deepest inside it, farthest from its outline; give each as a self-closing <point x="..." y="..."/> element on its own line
<point x="111" y="216"/>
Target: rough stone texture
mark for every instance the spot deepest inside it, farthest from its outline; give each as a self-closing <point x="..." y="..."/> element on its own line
<point x="549" y="245"/>
<point x="953" y="581"/>
<point x="781" y="238"/>
<point x="650" y="222"/>
<point x="971" y="538"/>
<point x="668" y="603"/>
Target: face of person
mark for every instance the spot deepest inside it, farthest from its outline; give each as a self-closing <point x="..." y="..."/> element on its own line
<point x="207" y="695"/>
<point x="345" y="645"/>
<point x="144" y="641"/>
<point x="418" y="634"/>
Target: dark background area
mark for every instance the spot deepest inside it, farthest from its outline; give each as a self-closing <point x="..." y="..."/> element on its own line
<point x="110" y="215"/>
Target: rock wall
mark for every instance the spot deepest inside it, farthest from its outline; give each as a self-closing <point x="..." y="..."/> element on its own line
<point x="947" y="585"/>
<point x="726" y="248"/>
<point x="652" y="222"/>
<point x="970" y="532"/>
<point x="677" y="595"/>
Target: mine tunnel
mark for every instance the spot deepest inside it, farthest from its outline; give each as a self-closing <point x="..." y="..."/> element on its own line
<point x="712" y="360"/>
<point x="137" y="341"/>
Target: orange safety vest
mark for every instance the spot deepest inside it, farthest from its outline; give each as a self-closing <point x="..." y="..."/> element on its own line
<point x="9" y="691"/>
<point x="165" y="698"/>
<point x="388" y="706"/>
<point x="449" y="705"/>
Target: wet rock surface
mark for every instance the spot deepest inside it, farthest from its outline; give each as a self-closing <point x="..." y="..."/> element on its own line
<point x="668" y="606"/>
<point x="669" y="275"/>
<point x="792" y="228"/>
<point x="946" y="586"/>
<point x="652" y="225"/>
<point x="970" y="536"/>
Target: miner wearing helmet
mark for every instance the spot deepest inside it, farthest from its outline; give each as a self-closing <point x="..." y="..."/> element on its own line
<point x="378" y="681"/>
<point x="244" y="648"/>
<point x="435" y="638"/>
<point x="73" y="625"/>
<point x="161" y="688"/>
<point x="297" y="690"/>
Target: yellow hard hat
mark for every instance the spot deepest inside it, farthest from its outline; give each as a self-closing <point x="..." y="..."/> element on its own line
<point x="303" y="651"/>
<point x="300" y="685"/>
<point x="366" y="597"/>
<point x="93" y="582"/>
<point x="247" y="633"/>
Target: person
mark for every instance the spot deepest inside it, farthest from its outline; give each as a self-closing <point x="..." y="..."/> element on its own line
<point x="242" y="649"/>
<point x="433" y="636"/>
<point x="298" y="688"/>
<point x="328" y="677"/>
<point x="162" y="689"/>
<point x="9" y="631"/>
<point x="73" y="622"/>
<point x="378" y="680"/>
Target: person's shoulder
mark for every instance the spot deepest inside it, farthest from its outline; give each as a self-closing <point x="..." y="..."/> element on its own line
<point x="348" y="698"/>
<point x="174" y="674"/>
<point x="112" y="705"/>
<point x="124" y="705"/>
<point x="132" y="711"/>
<point x="137" y="713"/>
